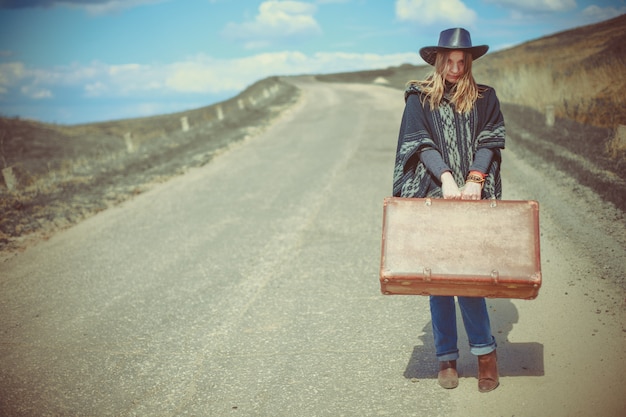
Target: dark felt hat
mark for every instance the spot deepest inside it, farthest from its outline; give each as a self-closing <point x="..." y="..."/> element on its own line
<point x="453" y="39"/>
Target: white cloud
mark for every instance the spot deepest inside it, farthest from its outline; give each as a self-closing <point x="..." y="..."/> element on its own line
<point x="196" y="76"/>
<point x="11" y="70"/>
<point x="14" y="75"/>
<point x="36" y="93"/>
<point x="428" y="12"/>
<point x="199" y="74"/>
<point x="204" y="74"/>
<point x="596" y="14"/>
<point x="10" y="74"/>
<point x="95" y="89"/>
<point x="122" y="69"/>
<point x="331" y="62"/>
<point x="196" y="81"/>
<point x="536" y="6"/>
<point x="276" y="20"/>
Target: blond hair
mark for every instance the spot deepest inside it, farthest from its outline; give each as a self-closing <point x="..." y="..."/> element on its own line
<point x="465" y="92"/>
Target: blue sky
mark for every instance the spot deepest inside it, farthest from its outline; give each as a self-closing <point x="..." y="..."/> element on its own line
<point x="80" y="61"/>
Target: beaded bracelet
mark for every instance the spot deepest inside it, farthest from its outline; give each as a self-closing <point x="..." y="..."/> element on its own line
<point x="475" y="178"/>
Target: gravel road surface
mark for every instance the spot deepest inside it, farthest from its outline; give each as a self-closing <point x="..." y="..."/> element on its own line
<point x="249" y="287"/>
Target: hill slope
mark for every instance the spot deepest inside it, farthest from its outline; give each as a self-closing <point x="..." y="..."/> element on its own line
<point x="67" y="173"/>
<point x="581" y="72"/>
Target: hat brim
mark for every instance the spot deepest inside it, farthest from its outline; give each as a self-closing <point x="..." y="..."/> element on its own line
<point x="429" y="53"/>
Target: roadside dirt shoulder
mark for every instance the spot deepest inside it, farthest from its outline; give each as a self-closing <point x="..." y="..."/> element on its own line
<point x="58" y="200"/>
<point x="579" y="213"/>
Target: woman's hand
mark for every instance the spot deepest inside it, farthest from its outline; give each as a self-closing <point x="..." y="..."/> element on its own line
<point x="449" y="189"/>
<point x="471" y="191"/>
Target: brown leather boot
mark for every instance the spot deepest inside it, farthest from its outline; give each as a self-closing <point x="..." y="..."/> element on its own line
<point x="448" y="377"/>
<point x="488" y="379"/>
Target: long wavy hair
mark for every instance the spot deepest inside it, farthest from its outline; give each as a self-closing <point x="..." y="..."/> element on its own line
<point x="464" y="93"/>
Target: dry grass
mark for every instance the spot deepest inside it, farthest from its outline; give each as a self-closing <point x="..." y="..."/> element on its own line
<point x="616" y="146"/>
<point x="574" y="148"/>
<point x="68" y="173"/>
<point x="582" y="73"/>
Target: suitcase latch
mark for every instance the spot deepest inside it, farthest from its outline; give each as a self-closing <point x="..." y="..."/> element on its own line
<point x="495" y="275"/>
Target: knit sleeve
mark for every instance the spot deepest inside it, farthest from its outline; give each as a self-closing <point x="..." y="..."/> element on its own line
<point x="433" y="162"/>
<point x="482" y="160"/>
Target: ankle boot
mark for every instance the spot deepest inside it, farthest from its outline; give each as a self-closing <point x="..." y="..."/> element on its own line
<point x="448" y="377"/>
<point x="488" y="379"/>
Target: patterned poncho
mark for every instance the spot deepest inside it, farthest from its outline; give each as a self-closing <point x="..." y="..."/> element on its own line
<point x="457" y="137"/>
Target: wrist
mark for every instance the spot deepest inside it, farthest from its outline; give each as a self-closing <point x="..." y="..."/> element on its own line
<point x="446" y="175"/>
<point x="475" y="176"/>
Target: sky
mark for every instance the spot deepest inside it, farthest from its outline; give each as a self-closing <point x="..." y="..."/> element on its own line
<point x="83" y="61"/>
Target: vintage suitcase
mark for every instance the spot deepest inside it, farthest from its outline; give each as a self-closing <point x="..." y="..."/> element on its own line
<point x="486" y="248"/>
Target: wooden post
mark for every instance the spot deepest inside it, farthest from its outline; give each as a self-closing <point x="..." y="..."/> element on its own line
<point x="128" y="139"/>
<point x="184" y="122"/>
<point x="549" y="115"/>
<point x="9" y="178"/>
<point x="620" y="136"/>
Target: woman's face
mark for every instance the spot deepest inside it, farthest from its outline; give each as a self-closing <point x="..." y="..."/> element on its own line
<point x="455" y="67"/>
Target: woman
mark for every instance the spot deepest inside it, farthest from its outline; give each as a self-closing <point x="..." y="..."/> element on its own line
<point x="449" y="146"/>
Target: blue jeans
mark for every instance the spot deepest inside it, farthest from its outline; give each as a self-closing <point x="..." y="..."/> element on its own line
<point x="475" y="318"/>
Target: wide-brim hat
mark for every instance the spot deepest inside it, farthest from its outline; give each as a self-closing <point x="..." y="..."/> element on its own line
<point x="453" y="39"/>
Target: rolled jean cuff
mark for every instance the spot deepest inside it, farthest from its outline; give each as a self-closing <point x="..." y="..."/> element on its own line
<point x="479" y="350"/>
<point x="452" y="356"/>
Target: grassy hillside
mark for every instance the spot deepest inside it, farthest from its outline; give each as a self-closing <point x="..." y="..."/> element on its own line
<point x="67" y="173"/>
<point x="40" y="148"/>
<point x="581" y="72"/>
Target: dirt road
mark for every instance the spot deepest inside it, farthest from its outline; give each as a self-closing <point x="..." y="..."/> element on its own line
<point x="249" y="287"/>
